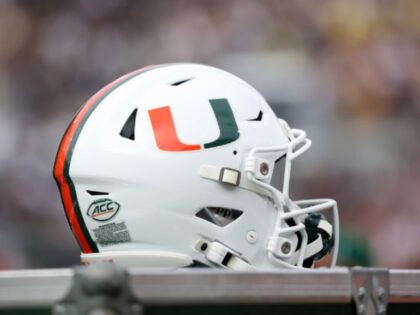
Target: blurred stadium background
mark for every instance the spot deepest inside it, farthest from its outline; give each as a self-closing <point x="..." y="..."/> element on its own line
<point x="348" y="72"/>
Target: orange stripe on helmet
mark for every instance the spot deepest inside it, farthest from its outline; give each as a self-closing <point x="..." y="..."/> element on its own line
<point x="62" y="158"/>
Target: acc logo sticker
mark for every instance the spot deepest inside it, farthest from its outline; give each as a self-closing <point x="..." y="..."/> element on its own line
<point x="103" y="209"/>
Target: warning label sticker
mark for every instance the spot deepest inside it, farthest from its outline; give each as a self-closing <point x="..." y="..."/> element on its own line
<point x="112" y="233"/>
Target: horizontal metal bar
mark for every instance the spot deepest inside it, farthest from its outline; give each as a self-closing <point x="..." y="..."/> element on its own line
<point x="404" y="286"/>
<point x="219" y="287"/>
<point x="43" y="288"/>
<point x="34" y="288"/>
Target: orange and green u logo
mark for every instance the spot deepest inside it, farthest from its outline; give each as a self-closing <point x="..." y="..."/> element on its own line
<point x="167" y="137"/>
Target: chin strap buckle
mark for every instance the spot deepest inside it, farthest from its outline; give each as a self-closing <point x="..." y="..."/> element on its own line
<point x="229" y="176"/>
<point x="223" y="175"/>
<point x="223" y="256"/>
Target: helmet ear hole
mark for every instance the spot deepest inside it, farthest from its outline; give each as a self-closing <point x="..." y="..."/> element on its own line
<point x="128" y="130"/>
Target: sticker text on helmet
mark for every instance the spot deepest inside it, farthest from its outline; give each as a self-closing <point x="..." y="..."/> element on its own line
<point x="103" y="209"/>
<point x="112" y="233"/>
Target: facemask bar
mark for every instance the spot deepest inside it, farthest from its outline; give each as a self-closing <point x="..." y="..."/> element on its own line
<point x="288" y="209"/>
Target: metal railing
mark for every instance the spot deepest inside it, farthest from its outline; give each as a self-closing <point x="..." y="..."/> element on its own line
<point x="83" y="289"/>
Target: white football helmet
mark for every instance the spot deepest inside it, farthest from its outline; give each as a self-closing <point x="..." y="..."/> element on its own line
<point x="170" y="166"/>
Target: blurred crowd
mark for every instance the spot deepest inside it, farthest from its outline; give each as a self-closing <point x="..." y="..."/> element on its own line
<point x="363" y="58"/>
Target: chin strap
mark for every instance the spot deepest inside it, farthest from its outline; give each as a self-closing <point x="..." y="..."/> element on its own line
<point x="318" y="227"/>
<point x="222" y="255"/>
<point x="320" y="242"/>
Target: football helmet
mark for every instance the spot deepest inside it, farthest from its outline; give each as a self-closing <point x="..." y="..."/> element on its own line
<point x="171" y="165"/>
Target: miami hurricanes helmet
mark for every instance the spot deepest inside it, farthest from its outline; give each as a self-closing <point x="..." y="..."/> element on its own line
<point x="171" y="165"/>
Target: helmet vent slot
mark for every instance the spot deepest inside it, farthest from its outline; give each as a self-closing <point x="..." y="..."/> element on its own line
<point x="127" y="130"/>
<point x="280" y="158"/>
<point x="177" y="83"/>
<point x="258" y="118"/>
<point x="97" y="193"/>
<point x="218" y="215"/>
